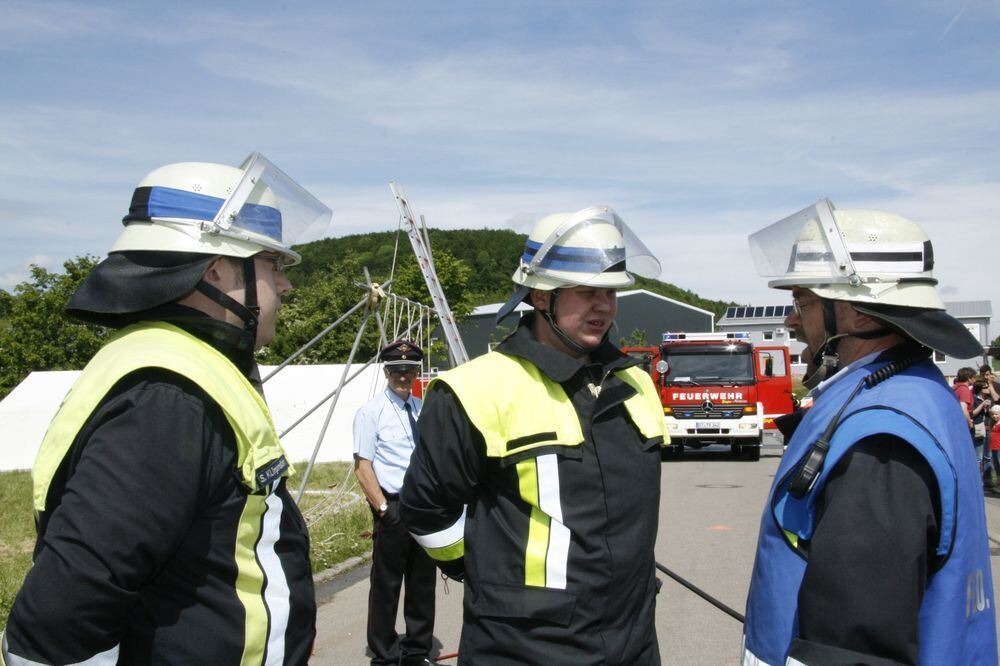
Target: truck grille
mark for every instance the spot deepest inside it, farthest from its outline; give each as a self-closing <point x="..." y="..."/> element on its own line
<point x="697" y="412"/>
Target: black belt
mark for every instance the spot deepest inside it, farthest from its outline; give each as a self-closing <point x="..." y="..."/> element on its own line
<point x="391" y="496"/>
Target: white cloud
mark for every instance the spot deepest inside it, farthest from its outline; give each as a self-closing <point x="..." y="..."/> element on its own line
<point x="41" y="24"/>
<point x="698" y="125"/>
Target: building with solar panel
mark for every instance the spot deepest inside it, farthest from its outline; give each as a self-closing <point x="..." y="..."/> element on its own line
<point x="766" y="325"/>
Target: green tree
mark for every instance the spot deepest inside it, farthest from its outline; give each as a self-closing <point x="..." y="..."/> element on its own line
<point x="637" y="338"/>
<point x="453" y="274"/>
<point x="310" y="309"/>
<point x="323" y="295"/>
<point x="37" y="333"/>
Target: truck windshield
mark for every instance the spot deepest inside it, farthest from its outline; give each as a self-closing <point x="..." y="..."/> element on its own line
<point x="694" y="364"/>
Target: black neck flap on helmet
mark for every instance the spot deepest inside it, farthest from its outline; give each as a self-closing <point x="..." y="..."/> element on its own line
<point x="249" y="310"/>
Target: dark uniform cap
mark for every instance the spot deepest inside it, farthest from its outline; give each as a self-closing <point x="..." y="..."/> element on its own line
<point x="401" y="352"/>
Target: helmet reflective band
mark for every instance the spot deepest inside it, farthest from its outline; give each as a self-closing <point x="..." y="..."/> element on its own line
<point x="170" y="203"/>
<point x="218" y="209"/>
<point x="592" y="247"/>
<point x="852" y="255"/>
<point x="166" y="202"/>
<point x="574" y="259"/>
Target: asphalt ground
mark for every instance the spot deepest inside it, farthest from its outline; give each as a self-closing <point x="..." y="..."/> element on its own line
<point x="710" y="509"/>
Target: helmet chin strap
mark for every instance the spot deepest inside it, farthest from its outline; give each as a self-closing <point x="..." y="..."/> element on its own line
<point x="550" y="317"/>
<point x="825" y="359"/>
<point x="249" y="310"/>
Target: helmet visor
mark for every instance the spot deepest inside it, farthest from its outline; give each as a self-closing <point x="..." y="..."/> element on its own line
<point x="588" y="243"/>
<point x="804" y="248"/>
<point x="269" y="207"/>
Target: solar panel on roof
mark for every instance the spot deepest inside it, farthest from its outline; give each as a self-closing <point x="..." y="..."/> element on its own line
<point x="741" y="312"/>
<point x="758" y="312"/>
<point x="730" y="312"/>
<point x="769" y="311"/>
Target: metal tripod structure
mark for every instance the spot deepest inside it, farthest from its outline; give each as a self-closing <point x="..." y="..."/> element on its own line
<point x="399" y="307"/>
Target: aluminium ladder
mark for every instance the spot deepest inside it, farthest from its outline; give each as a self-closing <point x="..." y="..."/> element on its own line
<point x="421" y="248"/>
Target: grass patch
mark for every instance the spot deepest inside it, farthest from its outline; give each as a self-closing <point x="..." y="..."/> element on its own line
<point x="17" y="535"/>
<point x="339" y="519"/>
<point x="337" y="515"/>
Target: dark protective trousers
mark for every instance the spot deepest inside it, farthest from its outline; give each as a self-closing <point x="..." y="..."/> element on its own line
<point x="396" y="558"/>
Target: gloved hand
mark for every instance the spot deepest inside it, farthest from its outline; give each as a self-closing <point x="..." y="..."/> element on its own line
<point x="453" y="569"/>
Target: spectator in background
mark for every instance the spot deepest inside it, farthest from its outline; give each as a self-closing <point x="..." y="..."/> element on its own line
<point x="988" y="376"/>
<point x="993" y="389"/>
<point x="981" y="404"/>
<point x="962" y="386"/>
<point x="995" y="445"/>
<point x="385" y="432"/>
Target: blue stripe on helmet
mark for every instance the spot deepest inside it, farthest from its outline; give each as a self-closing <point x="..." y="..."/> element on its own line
<point x="263" y="220"/>
<point x="170" y="202"/>
<point x="574" y="259"/>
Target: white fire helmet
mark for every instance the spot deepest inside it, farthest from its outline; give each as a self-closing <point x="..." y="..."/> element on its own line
<point x="591" y="247"/>
<point x="863" y="256"/>
<point x="221" y="210"/>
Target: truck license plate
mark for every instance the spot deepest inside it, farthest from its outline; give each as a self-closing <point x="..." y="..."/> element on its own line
<point x="707" y="424"/>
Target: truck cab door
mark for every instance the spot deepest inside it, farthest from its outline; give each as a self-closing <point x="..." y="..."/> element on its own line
<point x="772" y="370"/>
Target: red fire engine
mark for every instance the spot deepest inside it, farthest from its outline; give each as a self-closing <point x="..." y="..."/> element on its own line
<point x="718" y="388"/>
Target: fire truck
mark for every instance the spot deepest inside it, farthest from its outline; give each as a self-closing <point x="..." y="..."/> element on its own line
<point x="718" y="388"/>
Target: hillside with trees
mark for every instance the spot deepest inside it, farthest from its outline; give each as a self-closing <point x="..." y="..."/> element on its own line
<point x="491" y="254"/>
<point x="474" y="267"/>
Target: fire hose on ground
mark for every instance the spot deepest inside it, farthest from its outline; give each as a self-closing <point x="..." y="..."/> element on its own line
<point x="701" y="593"/>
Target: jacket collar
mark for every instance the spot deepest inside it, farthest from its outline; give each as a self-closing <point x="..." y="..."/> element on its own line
<point x="231" y="341"/>
<point x="557" y="366"/>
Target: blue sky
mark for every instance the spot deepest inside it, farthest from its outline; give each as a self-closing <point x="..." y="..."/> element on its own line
<point x="699" y="122"/>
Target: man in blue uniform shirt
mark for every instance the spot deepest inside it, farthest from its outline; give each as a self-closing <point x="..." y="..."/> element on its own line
<point x="385" y="431"/>
<point x="872" y="546"/>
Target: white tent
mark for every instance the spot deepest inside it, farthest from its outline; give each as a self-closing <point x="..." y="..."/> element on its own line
<point x="26" y="412"/>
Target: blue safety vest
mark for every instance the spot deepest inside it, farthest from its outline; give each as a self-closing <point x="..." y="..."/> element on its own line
<point x="957" y="624"/>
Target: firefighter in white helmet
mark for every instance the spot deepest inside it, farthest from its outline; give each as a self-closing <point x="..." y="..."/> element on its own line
<point x="872" y="545"/>
<point x="546" y="454"/>
<point x="166" y="532"/>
